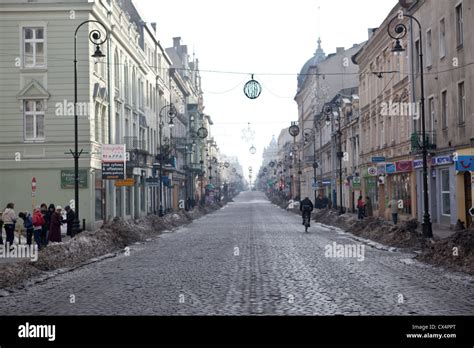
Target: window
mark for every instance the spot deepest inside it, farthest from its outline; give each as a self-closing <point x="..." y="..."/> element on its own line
<point x="444" y="109"/>
<point x="34" y="119"/>
<point x="442" y="38"/>
<point x="431" y="114"/>
<point x="33" y="47"/>
<point x="445" y="194"/>
<point x="461" y="103"/>
<point x="459" y="26"/>
<point x="417" y="56"/>
<point x="429" y="49"/>
<point x="116" y="70"/>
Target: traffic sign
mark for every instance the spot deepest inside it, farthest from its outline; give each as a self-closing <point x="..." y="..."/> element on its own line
<point x="471" y="211"/>
<point x="372" y="171"/>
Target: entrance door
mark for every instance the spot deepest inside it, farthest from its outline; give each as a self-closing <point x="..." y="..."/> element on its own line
<point x="468" y="197"/>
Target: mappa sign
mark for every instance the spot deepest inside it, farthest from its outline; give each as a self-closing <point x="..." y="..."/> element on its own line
<point x="113" y="162"/>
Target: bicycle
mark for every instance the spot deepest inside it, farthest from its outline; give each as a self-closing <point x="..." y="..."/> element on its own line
<point x="306" y="221"/>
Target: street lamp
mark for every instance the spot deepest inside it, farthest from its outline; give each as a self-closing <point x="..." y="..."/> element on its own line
<point x="95" y="37"/>
<point x="400" y="31"/>
<point x="331" y="110"/>
<point x="171" y="115"/>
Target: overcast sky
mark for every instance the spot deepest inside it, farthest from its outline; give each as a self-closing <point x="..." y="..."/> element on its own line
<point x="259" y="37"/>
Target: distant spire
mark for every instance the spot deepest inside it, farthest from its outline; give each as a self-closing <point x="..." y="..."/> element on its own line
<point x="319" y="54"/>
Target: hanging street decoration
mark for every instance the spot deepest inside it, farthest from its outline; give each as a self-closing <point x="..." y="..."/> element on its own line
<point x="294" y="130"/>
<point x="252" y="89"/>
<point x="248" y="134"/>
<point x="227" y="164"/>
<point x="202" y="133"/>
<point x="253" y="150"/>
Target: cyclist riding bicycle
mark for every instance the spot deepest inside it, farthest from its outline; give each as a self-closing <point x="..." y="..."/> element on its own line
<point x="306" y="207"/>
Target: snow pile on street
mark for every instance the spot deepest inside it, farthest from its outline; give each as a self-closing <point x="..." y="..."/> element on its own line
<point x="403" y="235"/>
<point x="455" y="252"/>
<point x="111" y="237"/>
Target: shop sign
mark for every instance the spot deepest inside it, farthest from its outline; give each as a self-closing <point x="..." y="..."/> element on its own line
<point x="441" y="160"/>
<point x="404" y="166"/>
<point x="417" y="164"/>
<point x="381" y="169"/>
<point x="465" y="164"/>
<point x="68" y="178"/>
<point x="390" y="168"/>
<point x="113" y="162"/>
<point x="372" y="171"/>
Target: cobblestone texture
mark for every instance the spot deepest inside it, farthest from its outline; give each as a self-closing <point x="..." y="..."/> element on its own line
<point x="250" y="257"/>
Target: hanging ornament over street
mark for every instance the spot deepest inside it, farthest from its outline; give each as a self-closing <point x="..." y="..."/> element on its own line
<point x="227" y="164"/>
<point x="252" y="89"/>
<point x="248" y="134"/>
<point x="253" y="150"/>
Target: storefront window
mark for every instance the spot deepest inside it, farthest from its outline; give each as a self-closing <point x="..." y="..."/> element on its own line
<point x="401" y="190"/>
<point x="98" y="196"/>
<point x="445" y="194"/>
<point x="372" y="191"/>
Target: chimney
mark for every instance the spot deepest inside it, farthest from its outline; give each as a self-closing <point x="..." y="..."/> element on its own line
<point x="176" y="42"/>
<point x="153" y="25"/>
<point x="184" y="49"/>
<point x="339" y="50"/>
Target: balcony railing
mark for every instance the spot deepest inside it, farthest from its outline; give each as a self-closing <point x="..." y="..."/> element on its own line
<point x="134" y="143"/>
<point x="417" y="141"/>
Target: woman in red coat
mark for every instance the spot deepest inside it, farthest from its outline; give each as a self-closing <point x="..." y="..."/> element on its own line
<point x="55" y="226"/>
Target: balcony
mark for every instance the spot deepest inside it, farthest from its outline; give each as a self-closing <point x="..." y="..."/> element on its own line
<point x="133" y="143"/>
<point x="416" y="140"/>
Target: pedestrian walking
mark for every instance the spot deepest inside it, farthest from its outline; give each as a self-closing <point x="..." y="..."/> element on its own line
<point x="393" y="205"/>
<point x="70" y="216"/>
<point x="9" y="221"/>
<point x="28" y="224"/>
<point x="38" y="223"/>
<point x="360" y="208"/>
<point x="55" y="226"/>
<point x="369" y="210"/>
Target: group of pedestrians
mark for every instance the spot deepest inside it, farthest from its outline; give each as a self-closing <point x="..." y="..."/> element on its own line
<point x="43" y="226"/>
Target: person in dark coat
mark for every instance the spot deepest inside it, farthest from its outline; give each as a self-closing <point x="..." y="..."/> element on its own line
<point x="47" y="221"/>
<point x="70" y="215"/>
<point x="360" y="208"/>
<point x="55" y="226"/>
<point x="306" y="207"/>
<point x="369" y="211"/>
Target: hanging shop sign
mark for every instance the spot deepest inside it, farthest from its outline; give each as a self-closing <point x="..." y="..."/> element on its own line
<point x="390" y="168"/>
<point x="372" y="171"/>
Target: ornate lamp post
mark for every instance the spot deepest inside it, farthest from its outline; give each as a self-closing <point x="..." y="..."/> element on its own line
<point x="399" y="32"/>
<point x="171" y="114"/>
<point x="95" y="36"/>
<point x="331" y="110"/>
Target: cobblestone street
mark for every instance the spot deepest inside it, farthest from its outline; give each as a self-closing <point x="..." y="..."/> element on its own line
<point x="250" y="257"/>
